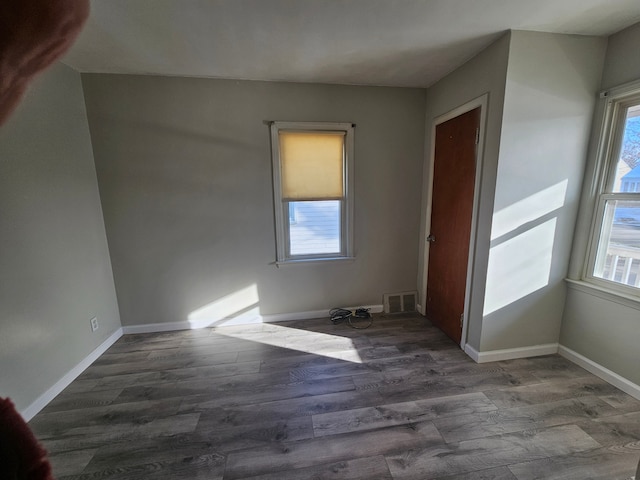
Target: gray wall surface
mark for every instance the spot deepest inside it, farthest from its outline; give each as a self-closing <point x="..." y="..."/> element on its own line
<point x="550" y="94"/>
<point x="622" y="64"/>
<point x="55" y="273"/>
<point x="485" y="73"/>
<point x="184" y="170"/>
<point x="603" y="330"/>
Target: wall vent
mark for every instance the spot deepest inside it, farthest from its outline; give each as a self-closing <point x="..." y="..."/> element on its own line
<point x="400" y="302"/>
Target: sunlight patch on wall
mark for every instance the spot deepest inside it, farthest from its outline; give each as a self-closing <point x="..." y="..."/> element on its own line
<point x="528" y="209"/>
<point x="519" y="266"/>
<point x="240" y="307"/>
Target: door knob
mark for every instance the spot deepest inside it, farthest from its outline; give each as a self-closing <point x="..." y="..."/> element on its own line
<point x="431" y="238"/>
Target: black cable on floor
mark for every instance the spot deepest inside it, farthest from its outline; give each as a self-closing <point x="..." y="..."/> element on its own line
<point x="339" y="315"/>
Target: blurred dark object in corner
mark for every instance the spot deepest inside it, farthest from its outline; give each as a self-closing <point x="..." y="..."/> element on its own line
<point x="21" y="456"/>
<point x="33" y="35"/>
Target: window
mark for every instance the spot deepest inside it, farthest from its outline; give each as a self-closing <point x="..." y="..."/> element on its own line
<point x="313" y="190"/>
<point x="614" y="258"/>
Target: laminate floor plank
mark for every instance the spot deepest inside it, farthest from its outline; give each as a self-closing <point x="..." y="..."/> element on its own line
<point x="318" y="451"/>
<point x="285" y="409"/>
<point x="371" y="418"/>
<point x="500" y="473"/>
<point x="267" y="353"/>
<point x="550" y="367"/>
<point x="596" y="464"/>
<point x="79" y="438"/>
<point x="622" y="402"/>
<point x="55" y="424"/>
<point x="371" y="468"/>
<point x="477" y="425"/>
<point x="164" y="364"/>
<point x="116" y="358"/>
<point x="243" y="437"/>
<point x="277" y="392"/>
<point x="303" y="360"/>
<point x="479" y="454"/>
<point x="396" y="386"/>
<point x="551" y="391"/>
<point x="76" y="400"/>
<point x="72" y="462"/>
<point x="614" y="430"/>
<point x="328" y="371"/>
<point x="123" y="380"/>
<point x="308" y="399"/>
<point x="167" y="457"/>
<point x="220" y="388"/>
<point x="167" y="450"/>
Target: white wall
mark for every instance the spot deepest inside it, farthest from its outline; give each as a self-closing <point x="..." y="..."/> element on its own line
<point x="485" y="73"/>
<point x="551" y="88"/>
<point x="55" y="273"/>
<point x="605" y="330"/>
<point x="184" y="171"/>
<point x="541" y="97"/>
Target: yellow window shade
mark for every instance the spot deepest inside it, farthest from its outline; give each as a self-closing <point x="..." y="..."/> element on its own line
<point x="311" y="165"/>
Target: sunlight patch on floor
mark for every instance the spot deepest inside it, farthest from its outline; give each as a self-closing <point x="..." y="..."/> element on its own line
<point x="238" y="315"/>
<point x="316" y="343"/>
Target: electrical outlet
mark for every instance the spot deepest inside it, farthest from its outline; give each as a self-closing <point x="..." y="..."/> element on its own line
<point x="94" y="324"/>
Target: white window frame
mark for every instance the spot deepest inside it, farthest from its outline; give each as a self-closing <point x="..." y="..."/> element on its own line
<point x="281" y="208"/>
<point x="610" y="143"/>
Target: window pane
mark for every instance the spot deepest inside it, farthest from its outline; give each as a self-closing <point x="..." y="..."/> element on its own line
<point x="618" y="257"/>
<point x="316" y="229"/>
<point x="628" y="167"/>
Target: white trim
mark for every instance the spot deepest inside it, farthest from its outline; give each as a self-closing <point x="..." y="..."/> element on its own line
<point x="510" y="353"/>
<point x="157" y="327"/>
<point x="621" y="90"/>
<point x="598" y="370"/>
<point x="285" y="317"/>
<point x="472" y="352"/>
<point x="44" y="399"/>
<point x="242" y="320"/>
<point x="615" y="296"/>
<point x="347" y="206"/>
<point x="315" y="261"/>
<point x="481" y="102"/>
<point x="609" y="122"/>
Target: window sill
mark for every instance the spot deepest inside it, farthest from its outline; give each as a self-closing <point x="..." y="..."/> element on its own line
<point x="314" y="261"/>
<point x="621" y="298"/>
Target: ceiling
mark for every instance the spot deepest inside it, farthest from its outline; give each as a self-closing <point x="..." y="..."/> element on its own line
<point x="409" y="43"/>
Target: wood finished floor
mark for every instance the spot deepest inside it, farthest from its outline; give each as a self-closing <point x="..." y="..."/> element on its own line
<point x="310" y="400"/>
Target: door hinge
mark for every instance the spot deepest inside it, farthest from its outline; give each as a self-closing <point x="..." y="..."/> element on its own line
<point x="461" y="319"/>
<point x="477" y="135"/>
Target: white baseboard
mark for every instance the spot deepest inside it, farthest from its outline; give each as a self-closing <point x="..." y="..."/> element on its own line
<point x="245" y="319"/>
<point x="285" y="317"/>
<point x="42" y="401"/>
<point x="156" y="327"/>
<point x="598" y="370"/>
<point x="510" y="353"/>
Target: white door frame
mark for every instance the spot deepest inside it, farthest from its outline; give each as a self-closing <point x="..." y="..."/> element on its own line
<point x="481" y="102"/>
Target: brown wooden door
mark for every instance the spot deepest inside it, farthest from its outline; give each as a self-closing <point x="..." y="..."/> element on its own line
<point x="451" y="211"/>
